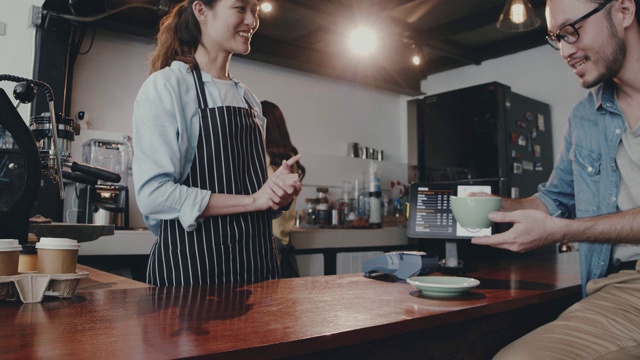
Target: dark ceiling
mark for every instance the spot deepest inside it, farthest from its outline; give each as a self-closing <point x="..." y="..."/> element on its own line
<point x="311" y="35"/>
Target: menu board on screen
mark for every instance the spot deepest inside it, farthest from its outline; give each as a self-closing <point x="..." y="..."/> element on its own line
<point x="430" y="213"/>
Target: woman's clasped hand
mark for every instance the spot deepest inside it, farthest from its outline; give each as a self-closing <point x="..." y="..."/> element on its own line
<point x="281" y="188"/>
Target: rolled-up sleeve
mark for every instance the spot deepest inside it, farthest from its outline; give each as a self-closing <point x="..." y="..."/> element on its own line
<point x="558" y="193"/>
<point x="163" y="152"/>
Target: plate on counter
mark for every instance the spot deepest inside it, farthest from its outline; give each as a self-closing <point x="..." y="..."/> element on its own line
<point x="442" y="286"/>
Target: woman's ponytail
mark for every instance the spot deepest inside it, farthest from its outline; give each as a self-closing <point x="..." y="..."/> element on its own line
<point x="178" y="36"/>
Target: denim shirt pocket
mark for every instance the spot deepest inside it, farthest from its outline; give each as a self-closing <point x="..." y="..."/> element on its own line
<point x="586" y="177"/>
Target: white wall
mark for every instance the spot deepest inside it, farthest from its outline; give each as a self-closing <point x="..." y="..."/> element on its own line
<point x="17" y="44"/>
<point x="323" y="115"/>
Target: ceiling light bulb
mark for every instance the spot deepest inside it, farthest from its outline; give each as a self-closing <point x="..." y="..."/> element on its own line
<point x="362" y="41"/>
<point x="517" y="14"/>
<point x="266" y="6"/>
<point x="416" y="60"/>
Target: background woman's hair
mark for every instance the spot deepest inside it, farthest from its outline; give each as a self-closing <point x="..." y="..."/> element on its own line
<point x="279" y="146"/>
<point x="178" y="36"/>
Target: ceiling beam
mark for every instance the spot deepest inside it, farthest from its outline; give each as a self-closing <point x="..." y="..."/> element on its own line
<point x="513" y="45"/>
<point x="398" y="78"/>
<point x="505" y="47"/>
<point x="411" y="34"/>
<point x="461" y="25"/>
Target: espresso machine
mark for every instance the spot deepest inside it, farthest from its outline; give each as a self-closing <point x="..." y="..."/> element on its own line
<point x="27" y="152"/>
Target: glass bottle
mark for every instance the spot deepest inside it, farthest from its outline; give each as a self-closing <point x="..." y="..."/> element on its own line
<point x="323" y="211"/>
<point x="310" y="213"/>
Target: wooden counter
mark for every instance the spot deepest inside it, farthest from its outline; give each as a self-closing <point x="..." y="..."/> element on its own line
<point x="342" y="316"/>
<point x="101" y="280"/>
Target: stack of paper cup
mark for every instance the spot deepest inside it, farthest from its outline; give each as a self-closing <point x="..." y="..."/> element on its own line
<point x="28" y="259"/>
<point x="9" y="256"/>
<point x="57" y="255"/>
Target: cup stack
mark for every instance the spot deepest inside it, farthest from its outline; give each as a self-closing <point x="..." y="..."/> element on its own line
<point x="28" y="259"/>
<point x="9" y="256"/>
<point x="57" y="255"/>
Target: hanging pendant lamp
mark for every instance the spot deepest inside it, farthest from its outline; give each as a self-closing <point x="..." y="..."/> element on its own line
<point x="517" y="15"/>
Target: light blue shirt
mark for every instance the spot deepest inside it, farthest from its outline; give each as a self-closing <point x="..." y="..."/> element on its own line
<point x="166" y="125"/>
<point x="585" y="181"/>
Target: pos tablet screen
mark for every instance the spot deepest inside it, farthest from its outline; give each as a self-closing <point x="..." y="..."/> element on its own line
<point x="430" y="217"/>
<point x="430" y="213"/>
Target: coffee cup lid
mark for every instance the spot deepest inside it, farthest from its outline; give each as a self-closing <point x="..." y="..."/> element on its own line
<point x="57" y="244"/>
<point x="10" y="245"/>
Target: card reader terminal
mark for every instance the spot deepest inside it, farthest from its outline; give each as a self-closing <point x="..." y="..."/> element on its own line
<point x="402" y="264"/>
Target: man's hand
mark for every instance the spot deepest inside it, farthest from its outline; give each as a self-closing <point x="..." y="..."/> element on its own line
<point x="531" y="229"/>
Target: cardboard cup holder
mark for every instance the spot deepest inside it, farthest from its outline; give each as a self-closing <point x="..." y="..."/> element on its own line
<point x="31" y="287"/>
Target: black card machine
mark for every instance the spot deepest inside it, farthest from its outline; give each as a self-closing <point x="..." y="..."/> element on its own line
<point x="402" y="264"/>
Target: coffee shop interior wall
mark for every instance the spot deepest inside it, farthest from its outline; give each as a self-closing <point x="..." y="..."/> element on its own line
<point x="16" y="54"/>
<point x="323" y="114"/>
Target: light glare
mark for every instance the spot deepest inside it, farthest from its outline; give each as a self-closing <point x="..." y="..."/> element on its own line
<point x="362" y="41"/>
<point x="266" y="7"/>
<point x="517" y="13"/>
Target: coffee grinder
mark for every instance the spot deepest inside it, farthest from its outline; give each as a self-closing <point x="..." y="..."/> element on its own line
<point x="107" y="203"/>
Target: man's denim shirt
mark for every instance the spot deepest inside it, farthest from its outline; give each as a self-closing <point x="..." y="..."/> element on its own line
<point x="585" y="179"/>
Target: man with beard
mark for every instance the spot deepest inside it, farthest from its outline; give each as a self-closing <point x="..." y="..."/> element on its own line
<point x="593" y="195"/>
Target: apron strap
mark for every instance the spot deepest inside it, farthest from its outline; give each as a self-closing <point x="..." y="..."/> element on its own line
<point x="197" y="78"/>
<point x="202" y="96"/>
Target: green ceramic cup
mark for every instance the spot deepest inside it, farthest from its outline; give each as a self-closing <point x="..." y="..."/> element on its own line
<point x="473" y="212"/>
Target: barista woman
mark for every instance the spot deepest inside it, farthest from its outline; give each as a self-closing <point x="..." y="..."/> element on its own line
<point x="199" y="168"/>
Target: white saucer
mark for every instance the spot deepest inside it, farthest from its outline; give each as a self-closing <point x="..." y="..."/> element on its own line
<point x="443" y="286"/>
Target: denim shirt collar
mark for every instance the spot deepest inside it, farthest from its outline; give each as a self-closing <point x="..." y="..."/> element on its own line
<point x="604" y="97"/>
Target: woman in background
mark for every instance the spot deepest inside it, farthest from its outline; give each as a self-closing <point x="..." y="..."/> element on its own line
<point x="279" y="148"/>
<point x="199" y="168"/>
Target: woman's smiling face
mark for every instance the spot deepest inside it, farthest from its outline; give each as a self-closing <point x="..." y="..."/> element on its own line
<point x="228" y="26"/>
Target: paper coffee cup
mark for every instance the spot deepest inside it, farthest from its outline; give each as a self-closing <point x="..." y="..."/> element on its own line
<point x="57" y="255"/>
<point x="9" y="256"/>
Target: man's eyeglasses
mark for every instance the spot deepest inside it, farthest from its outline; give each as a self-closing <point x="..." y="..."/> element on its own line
<point x="569" y="33"/>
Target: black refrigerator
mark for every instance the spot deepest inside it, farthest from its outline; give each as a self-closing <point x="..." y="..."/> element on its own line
<point x="484" y="134"/>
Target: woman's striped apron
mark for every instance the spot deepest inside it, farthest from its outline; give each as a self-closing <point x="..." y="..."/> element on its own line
<point x="230" y="159"/>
